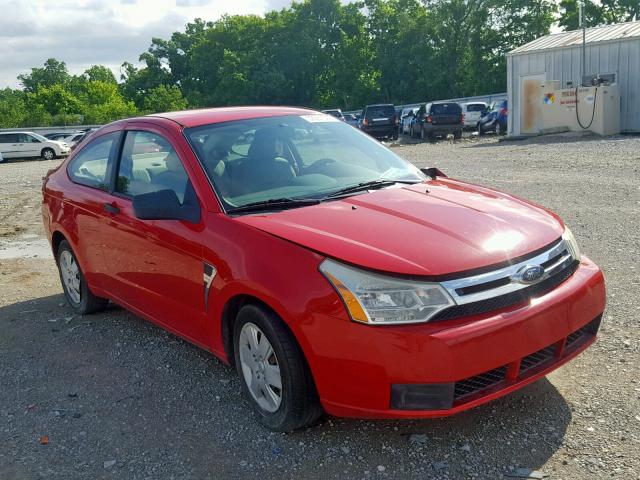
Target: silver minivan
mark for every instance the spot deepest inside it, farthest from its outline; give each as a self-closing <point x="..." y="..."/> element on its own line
<point x="29" y="144"/>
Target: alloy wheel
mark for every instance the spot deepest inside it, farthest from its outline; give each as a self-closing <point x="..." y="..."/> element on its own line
<point x="70" y="275"/>
<point x="260" y="367"/>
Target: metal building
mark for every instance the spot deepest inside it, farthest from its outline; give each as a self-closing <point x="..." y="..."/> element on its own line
<point x="611" y="49"/>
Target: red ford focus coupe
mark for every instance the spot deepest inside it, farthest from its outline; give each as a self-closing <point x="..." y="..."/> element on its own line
<point x="335" y="275"/>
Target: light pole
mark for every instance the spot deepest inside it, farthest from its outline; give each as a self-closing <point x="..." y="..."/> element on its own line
<point x="582" y="24"/>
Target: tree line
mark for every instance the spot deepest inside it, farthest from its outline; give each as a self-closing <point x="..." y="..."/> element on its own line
<point x="316" y="53"/>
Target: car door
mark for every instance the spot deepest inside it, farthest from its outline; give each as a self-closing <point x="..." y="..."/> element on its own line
<point x="155" y="266"/>
<point x="25" y="146"/>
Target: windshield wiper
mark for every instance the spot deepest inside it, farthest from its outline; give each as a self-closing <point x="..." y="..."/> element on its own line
<point x="274" y="204"/>
<point x="373" y="184"/>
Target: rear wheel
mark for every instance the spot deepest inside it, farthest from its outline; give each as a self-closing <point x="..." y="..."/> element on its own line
<point x="74" y="284"/>
<point x="48" y="154"/>
<point x="423" y="134"/>
<point x="274" y="374"/>
<point x="480" y="130"/>
<point x="499" y="129"/>
<point x="457" y="135"/>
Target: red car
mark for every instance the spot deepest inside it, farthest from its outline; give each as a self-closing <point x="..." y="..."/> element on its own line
<point x="335" y="275"/>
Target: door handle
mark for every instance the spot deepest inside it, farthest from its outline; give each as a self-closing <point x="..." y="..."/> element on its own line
<point x="111" y="208"/>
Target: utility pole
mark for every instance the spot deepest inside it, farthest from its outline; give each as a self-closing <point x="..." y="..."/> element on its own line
<point x="583" y="25"/>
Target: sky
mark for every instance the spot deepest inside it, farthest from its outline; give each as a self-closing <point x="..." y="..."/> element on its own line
<point x="106" y="32"/>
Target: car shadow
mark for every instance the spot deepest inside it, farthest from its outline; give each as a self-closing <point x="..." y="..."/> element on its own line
<point x="111" y="385"/>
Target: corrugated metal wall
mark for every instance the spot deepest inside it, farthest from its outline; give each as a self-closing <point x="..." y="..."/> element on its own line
<point x="619" y="57"/>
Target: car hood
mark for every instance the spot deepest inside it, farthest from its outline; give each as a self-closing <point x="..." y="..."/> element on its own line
<point x="429" y="229"/>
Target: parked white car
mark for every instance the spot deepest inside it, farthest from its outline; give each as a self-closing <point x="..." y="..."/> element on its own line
<point x="1" y="158"/>
<point x="29" y="144"/>
<point x="473" y="111"/>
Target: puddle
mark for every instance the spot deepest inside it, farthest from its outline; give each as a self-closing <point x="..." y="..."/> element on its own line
<point x="31" y="246"/>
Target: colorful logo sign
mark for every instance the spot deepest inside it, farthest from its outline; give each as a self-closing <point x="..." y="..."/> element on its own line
<point x="549" y="98"/>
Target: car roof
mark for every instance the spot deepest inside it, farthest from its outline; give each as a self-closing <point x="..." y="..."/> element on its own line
<point x="381" y="105"/>
<point x="205" y="116"/>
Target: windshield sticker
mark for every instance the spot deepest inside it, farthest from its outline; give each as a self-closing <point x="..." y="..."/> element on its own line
<point x="319" y="118"/>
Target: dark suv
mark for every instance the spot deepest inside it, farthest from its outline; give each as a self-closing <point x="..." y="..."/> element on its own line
<point x="439" y="119"/>
<point x="380" y="121"/>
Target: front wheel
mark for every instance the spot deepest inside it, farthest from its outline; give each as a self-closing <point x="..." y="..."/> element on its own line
<point x="48" y="154"/>
<point x="274" y="374"/>
<point x="74" y="284"/>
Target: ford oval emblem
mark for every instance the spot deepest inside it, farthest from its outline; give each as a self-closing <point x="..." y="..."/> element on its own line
<point x="529" y="274"/>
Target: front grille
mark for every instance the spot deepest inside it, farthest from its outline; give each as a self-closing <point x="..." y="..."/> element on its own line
<point x="509" y="299"/>
<point x="478" y="383"/>
<point x="466" y="389"/>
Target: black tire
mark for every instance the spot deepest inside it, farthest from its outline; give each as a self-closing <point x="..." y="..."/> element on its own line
<point x="48" y="154"/>
<point x="457" y="135"/>
<point x="88" y="302"/>
<point x="423" y="134"/>
<point x="481" y="131"/>
<point x="499" y="129"/>
<point x="411" y="132"/>
<point x="395" y="135"/>
<point x="300" y="405"/>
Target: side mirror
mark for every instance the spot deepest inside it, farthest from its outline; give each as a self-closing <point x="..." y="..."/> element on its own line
<point x="164" y="205"/>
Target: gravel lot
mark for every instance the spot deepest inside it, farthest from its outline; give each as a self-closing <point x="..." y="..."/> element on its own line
<point x="112" y="396"/>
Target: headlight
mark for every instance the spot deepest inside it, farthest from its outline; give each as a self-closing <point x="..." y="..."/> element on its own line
<point x="380" y="300"/>
<point x="572" y="245"/>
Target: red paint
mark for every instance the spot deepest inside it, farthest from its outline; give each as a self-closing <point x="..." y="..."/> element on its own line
<point x="154" y="268"/>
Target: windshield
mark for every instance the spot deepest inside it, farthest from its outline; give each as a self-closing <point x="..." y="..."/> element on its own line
<point x="294" y="157"/>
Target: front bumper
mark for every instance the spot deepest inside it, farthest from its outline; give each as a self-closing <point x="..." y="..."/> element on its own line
<point x="484" y="357"/>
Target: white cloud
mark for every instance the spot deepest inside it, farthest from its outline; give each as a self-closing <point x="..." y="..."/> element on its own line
<point x="87" y="32"/>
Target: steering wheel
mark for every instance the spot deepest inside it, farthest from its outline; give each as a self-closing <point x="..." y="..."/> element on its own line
<point x="320" y="163"/>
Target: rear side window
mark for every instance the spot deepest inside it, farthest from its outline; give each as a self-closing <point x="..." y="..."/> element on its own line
<point x="92" y="166"/>
<point x="9" y="138"/>
<point x="383" y="111"/>
<point x="149" y="164"/>
<point x="445" y="109"/>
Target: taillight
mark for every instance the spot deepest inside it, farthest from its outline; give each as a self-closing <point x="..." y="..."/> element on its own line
<point x="365" y="122"/>
<point x="395" y="119"/>
<point x="429" y="119"/>
<point x="462" y="118"/>
<point x="504" y="111"/>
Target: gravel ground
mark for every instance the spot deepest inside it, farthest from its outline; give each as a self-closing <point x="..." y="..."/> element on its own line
<point x="112" y="396"/>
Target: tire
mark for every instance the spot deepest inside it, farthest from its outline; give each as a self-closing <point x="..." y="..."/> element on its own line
<point x="48" y="154"/>
<point x="481" y="131"/>
<point x="411" y="132"/>
<point x="499" y="129"/>
<point x="297" y="405"/>
<point x="395" y="135"/>
<point x="423" y="134"/>
<point x="457" y="135"/>
<point x="76" y="292"/>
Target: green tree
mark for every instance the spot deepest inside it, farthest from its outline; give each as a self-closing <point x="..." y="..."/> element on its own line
<point x="164" y="99"/>
<point x="13" y="110"/>
<point x="99" y="73"/>
<point x="103" y="103"/>
<point x="54" y="73"/>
